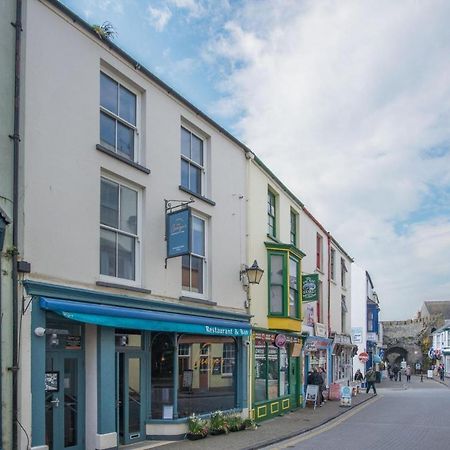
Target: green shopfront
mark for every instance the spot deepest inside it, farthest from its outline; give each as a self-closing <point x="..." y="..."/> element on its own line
<point x="111" y="370"/>
<point x="276" y="383"/>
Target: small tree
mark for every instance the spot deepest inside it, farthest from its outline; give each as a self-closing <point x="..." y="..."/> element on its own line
<point x="105" y="31"/>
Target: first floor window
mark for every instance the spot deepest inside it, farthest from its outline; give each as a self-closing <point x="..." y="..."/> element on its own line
<point x="118" y="230"/>
<point x="193" y="273"/>
<point x="284" y="276"/>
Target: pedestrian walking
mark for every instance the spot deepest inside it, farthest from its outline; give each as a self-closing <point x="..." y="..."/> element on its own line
<point x="395" y="370"/>
<point x="408" y="373"/>
<point x="358" y="376"/>
<point x="400" y="374"/>
<point x="441" y="372"/>
<point x="322" y="385"/>
<point x="371" y="377"/>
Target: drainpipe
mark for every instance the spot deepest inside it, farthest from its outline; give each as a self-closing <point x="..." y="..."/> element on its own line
<point x="16" y="139"/>
<point x="329" y="282"/>
<point x="1" y="319"/>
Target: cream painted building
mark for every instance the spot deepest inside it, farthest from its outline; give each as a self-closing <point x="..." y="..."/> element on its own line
<point x="119" y="343"/>
<point x="273" y="240"/>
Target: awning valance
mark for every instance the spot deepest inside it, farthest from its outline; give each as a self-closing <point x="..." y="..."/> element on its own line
<point x="141" y="319"/>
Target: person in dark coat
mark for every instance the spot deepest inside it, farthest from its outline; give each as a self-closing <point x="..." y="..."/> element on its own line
<point x="396" y="371"/>
<point x="358" y="376"/>
<point x="371" y="377"/>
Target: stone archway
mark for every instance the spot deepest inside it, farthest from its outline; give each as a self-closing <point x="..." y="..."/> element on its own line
<point x="395" y="355"/>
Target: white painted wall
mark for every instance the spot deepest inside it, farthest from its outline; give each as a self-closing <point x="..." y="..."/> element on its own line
<point x="359" y="310"/>
<point x="62" y="168"/>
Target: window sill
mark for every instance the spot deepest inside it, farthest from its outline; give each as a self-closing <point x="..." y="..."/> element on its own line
<point x="273" y="238"/>
<point x="194" y="194"/>
<point x="123" y="286"/>
<point x="200" y="301"/>
<point x="122" y="158"/>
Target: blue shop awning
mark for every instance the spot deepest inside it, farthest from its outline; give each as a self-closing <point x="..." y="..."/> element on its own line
<point x="141" y="319"/>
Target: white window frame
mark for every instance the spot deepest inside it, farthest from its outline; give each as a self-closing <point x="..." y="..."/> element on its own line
<point x="137" y="135"/>
<point x="203" y="169"/>
<point x="228" y="374"/>
<point x="205" y="258"/>
<point x="137" y="263"/>
<point x="333" y="264"/>
<point x="319" y="250"/>
<point x="344" y="270"/>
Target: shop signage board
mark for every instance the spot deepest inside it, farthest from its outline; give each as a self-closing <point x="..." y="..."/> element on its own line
<point x="346" y="396"/>
<point x="357" y="335"/>
<point x="310" y="287"/>
<point x="178" y="232"/>
<point x="225" y="331"/>
<point x="312" y="392"/>
<point x="270" y="337"/>
<point x="320" y="330"/>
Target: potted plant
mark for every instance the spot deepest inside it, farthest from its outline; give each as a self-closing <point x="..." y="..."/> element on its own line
<point x="250" y="424"/>
<point x="235" y="423"/>
<point x="218" y="423"/>
<point x="197" y="428"/>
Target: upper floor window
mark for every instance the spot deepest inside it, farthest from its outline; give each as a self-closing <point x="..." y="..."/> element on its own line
<point x="344" y="311"/>
<point x="333" y="264"/>
<point x="271" y="214"/>
<point x="194" y="264"/>
<point x="117" y="117"/>
<point x="192" y="162"/>
<point x="319" y="251"/>
<point x="343" y="273"/>
<point x="293" y="287"/>
<point x="293" y="233"/>
<point x="284" y="276"/>
<point x="118" y="230"/>
<point x="370" y="320"/>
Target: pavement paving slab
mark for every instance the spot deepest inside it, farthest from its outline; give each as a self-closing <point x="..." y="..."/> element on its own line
<point x="273" y="430"/>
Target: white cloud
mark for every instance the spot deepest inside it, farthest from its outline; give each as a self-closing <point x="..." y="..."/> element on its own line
<point x="159" y="17"/>
<point x="341" y="100"/>
<point x="194" y="8"/>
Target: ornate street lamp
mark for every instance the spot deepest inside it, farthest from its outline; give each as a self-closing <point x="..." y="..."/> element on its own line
<point x="253" y="273"/>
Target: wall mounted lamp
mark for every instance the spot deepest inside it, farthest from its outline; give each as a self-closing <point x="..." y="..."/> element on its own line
<point x="253" y="273"/>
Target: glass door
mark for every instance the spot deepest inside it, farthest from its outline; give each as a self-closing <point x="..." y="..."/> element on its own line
<point x="130" y="397"/>
<point x="64" y="401"/>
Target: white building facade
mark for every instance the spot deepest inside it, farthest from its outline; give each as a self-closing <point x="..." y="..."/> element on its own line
<point x="120" y="343"/>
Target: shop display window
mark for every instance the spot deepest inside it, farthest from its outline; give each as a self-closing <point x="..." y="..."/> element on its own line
<point x="271" y="371"/>
<point x="206" y="374"/>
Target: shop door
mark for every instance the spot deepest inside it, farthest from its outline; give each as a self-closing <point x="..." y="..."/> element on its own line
<point x="130" y="397"/>
<point x="64" y="400"/>
<point x="204" y="367"/>
<point x="294" y="375"/>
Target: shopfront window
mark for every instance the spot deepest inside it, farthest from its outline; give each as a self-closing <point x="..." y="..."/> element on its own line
<point x="260" y="372"/>
<point x="207" y="375"/>
<point x="284" y="372"/>
<point x="271" y="371"/>
<point x="162" y="356"/>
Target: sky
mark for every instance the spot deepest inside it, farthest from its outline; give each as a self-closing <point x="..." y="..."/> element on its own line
<point x="347" y="102"/>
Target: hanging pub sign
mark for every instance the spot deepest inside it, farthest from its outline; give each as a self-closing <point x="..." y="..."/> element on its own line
<point x="310" y="285"/>
<point x="178" y="232"/>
